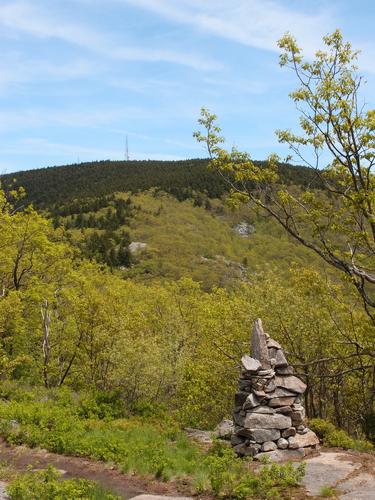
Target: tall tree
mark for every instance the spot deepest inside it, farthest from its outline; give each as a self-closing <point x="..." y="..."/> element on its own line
<point x="336" y="220"/>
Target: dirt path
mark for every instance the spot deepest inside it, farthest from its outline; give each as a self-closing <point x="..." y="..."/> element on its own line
<point x="127" y="486"/>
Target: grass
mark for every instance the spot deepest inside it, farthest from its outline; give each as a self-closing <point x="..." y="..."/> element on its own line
<point x="65" y="423"/>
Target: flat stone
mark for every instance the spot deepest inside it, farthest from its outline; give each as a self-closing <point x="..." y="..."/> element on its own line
<point x="328" y="469"/>
<point x="280" y="392"/>
<point x="250" y="364"/>
<point x="272" y="343"/>
<point x="264" y="409"/>
<point x="360" y="487"/>
<point x="275" y="402"/>
<point x="282" y="455"/>
<point x="263" y="421"/>
<point x="263" y="435"/>
<point x="285" y="410"/>
<point x="291" y="383"/>
<point x="259" y="394"/>
<point x="282" y="443"/>
<point x="269" y="446"/>
<point x="259" y="349"/>
<point x="266" y="373"/>
<point x="303" y="440"/>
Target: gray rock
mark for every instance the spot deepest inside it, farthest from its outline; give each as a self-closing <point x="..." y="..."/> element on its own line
<point x="137" y="246"/>
<point x="279" y="392"/>
<point x="285" y="410"/>
<point x="235" y="439"/>
<point x="282" y="443"/>
<point x="263" y="435"/>
<point x="204" y="437"/>
<point x="264" y="409"/>
<point x="280" y="358"/>
<point x="272" y="343"/>
<point x="282" y="455"/>
<point x="251" y="402"/>
<point x="271" y="386"/>
<point x="263" y="421"/>
<point x="297" y="417"/>
<point x="289" y="432"/>
<point x="269" y="446"/>
<point x="291" y="383"/>
<point x="250" y="364"/>
<point x="259" y="349"/>
<point x="246" y="451"/>
<point x="275" y="402"/>
<point x="303" y="440"/>
<point x="225" y="429"/>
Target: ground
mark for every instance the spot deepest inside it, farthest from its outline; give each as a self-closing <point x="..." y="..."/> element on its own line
<point x="351" y="475"/>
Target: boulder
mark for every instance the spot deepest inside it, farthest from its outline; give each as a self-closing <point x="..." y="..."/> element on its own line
<point x="303" y="440"/>
<point x="263" y="421"/>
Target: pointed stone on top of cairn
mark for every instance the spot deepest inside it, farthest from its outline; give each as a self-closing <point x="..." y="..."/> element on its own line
<point x="268" y="414"/>
<point x="259" y="349"/>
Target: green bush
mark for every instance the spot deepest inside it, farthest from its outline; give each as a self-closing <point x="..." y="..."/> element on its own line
<point x="47" y="485"/>
<point x="332" y="436"/>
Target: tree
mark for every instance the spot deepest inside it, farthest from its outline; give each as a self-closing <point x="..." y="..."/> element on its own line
<point x="335" y="217"/>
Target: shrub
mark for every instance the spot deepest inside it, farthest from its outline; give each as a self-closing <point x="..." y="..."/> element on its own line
<point x="47" y="485"/>
<point x="332" y="436"/>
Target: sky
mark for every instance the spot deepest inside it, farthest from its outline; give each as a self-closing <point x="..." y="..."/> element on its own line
<point x="78" y="76"/>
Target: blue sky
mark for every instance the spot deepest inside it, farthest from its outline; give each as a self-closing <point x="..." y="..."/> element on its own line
<point x="77" y="76"/>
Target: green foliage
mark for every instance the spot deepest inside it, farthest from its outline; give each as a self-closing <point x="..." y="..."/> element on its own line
<point x="327" y="492"/>
<point x="270" y="482"/>
<point x="332" y="436"/>
<point x="47" y="485"/>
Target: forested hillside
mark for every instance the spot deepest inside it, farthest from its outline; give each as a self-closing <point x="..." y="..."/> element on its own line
<point x="47" y="186"/>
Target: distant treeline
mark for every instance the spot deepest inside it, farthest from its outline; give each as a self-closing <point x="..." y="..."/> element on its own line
<point x="46" y="186"/>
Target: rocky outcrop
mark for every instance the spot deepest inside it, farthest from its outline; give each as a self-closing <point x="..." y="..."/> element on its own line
<point x="269" y="415"/>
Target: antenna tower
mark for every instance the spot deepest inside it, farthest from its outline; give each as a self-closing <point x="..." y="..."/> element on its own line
<point x="126" y="149"/>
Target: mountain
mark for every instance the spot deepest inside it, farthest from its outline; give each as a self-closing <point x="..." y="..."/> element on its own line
<point x="47" y="186"/>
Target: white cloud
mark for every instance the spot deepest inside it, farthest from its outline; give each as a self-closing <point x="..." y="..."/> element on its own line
<point x="27" y="18"/>
<point x="257" y="23"/>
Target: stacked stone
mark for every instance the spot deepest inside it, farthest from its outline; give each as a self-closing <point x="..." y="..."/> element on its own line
<point x="268" y="412"/>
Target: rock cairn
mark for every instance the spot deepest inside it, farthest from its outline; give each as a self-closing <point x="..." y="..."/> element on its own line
<point x="268" y="414"/>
